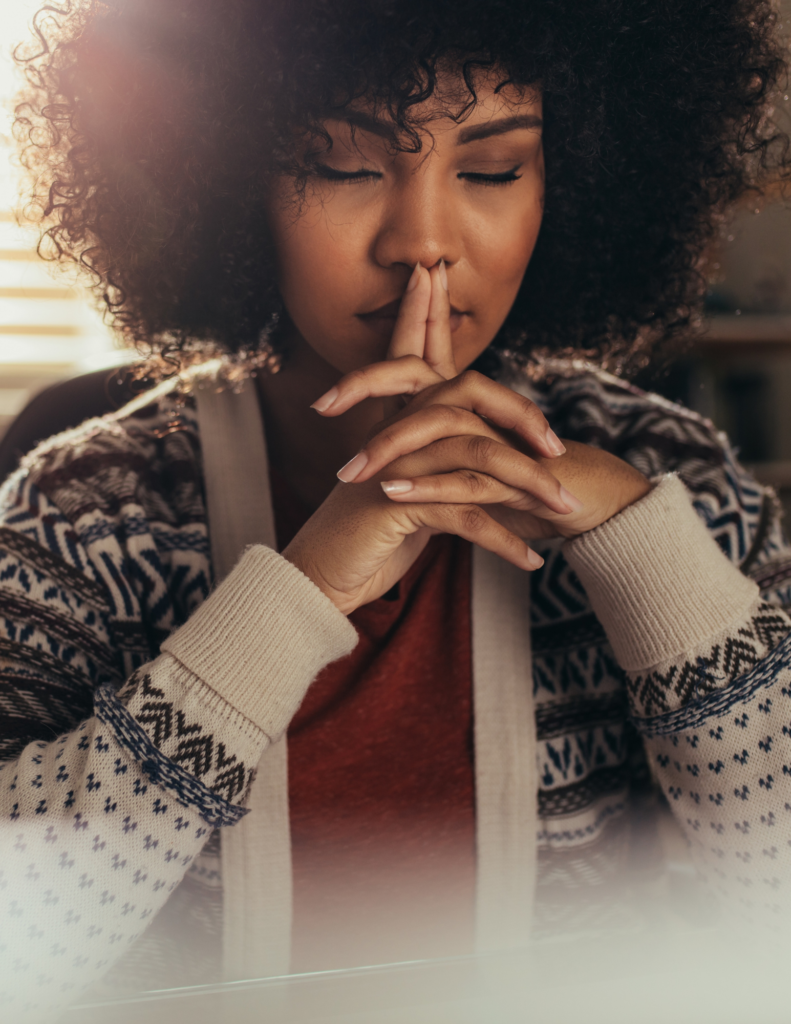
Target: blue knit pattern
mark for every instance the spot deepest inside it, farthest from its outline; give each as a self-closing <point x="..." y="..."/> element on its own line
<point x="104" y="552"/>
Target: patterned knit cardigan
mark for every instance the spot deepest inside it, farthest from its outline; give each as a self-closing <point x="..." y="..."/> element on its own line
<point x="112" y="791"/>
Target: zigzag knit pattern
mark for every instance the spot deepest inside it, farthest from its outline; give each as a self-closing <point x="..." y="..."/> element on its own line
<point x="104" y="552"/>
<point x="594" y="773"/>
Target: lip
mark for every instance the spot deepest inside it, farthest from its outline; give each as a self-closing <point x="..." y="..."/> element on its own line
<point x="384" y="317"/>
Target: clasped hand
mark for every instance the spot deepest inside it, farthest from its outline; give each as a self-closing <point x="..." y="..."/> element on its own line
<point x="458" y="454"/>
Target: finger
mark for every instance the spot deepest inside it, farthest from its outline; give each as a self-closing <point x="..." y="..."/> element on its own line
<point x="477" y="458"/>
<point x="407" y="375"/>
<point x="475" y="445"/>
<point x="464" y="486"/>
<point x="503" y="407"/>
<point x="445" y="439"/>
<point x="439" y="347"/>
<point x="409" y="332"/>
<point x="507" y="409"/>
<point x="410" y="434"/>
<point x="473" y="524"/>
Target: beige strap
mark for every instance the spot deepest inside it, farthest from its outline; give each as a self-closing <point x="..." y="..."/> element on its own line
<point x="506" y="778"/>
<point x="256" y="853"/>
<point x="236" y="473"/>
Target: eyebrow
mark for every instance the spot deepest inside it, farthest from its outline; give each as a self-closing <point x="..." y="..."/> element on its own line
<point x="473" y="133"/>
<point x="506" y="124"/>
<point x="359" y="119"/>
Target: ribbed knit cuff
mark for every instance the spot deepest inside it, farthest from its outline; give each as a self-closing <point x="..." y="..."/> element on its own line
<point x="657" y="580"/>
<point x="262" y="637"/>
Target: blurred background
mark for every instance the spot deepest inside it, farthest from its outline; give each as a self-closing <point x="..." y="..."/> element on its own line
<point x="737" y="372"/>
<point x="48" y="330"/>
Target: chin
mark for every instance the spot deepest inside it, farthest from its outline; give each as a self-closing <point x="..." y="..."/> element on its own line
<point x="347" y="356"/>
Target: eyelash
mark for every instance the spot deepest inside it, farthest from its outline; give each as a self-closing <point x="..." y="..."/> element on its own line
<point x="505" y="178"/>
<point x="351" y="177"/>
<point x="354" y="177"/>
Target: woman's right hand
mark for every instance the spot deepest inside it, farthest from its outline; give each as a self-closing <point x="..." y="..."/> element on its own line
<point x="359" y="543"/>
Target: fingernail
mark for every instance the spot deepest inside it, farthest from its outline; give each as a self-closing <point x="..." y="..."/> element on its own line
<point x="353" y="468"/>
<point x="554" y="443"/>
<point x="443" y="275"/>
<point x="322" y="404"/>
<point x="573" y="503"/>
<point x="397" y="486"/>
<point x="534" y="560"/>
<point x="412" y="283"/>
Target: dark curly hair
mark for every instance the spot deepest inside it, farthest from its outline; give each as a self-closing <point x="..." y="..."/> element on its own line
<point x="153" y="131"/>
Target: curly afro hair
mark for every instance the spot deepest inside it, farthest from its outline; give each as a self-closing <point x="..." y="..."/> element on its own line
<point x="153" y="131"/>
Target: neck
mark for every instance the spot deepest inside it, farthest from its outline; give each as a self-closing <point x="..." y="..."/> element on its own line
<point x="308" y="449"/>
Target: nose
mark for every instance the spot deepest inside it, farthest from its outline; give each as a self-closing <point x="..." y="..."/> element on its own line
<point x="418" y="223"/>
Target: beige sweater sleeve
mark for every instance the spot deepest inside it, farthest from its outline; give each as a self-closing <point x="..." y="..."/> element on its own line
<point x="657" y="580"/>
<point x="261" y="638"/>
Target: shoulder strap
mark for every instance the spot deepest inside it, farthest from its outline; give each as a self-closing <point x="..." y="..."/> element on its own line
<point x="256" y="853"/>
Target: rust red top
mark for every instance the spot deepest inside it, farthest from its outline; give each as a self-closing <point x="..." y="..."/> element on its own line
<point x="381" y="780"/>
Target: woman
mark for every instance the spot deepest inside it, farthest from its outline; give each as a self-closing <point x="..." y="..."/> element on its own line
<point x="357" y="198"/>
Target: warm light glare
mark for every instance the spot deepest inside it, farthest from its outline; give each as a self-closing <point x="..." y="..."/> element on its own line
<point x="46" y="329"/>
<point x="15" y="19"/>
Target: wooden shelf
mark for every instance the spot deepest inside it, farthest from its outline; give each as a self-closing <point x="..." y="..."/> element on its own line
<point x="775" y="474"/>
<point x="769" y="331"/>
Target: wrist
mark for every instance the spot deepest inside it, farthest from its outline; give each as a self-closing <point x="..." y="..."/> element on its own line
<point x="611" y="503"/>
<point x="657" y="580"/>
<point x="261" y="638"/>
<point x="300" y="557"/>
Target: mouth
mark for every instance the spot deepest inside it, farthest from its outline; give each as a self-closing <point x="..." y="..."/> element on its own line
<point x="383" y="318"/>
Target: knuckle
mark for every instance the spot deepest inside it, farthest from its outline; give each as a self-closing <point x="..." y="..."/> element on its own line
<point x="442" y="418"/>
<point x="474" y="482"/>
<point x="358" y="377"/>
<point x="469" y="379"/>
<point x="446" y="414"/>
<point x="530" y="409"/>
<point x="418" y="377"/>
<point x="454" y="418"/>
<point x="481" y="449"/>
<point x="473" y="519"/>
<point x="387" y="438"/>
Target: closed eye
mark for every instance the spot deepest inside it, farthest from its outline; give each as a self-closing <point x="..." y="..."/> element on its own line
<point x="332" y="174"/>
<point x="503" y="178"/>
<point x="474" y="177"/>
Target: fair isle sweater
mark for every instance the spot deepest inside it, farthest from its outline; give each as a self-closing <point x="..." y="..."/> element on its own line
<point x="118" y="763"/>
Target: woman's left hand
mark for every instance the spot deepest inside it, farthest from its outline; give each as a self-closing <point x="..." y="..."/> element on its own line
<point x="483" y="435"/>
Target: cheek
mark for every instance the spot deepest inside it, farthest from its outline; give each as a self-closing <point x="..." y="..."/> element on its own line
<point x="515" y="238"/>
<point x="499" y="247"/>
<point x="324" y="280"/>
<point x="517" y="233"/>
<point x="312" y="270"/>
<point x="318" y="271"/>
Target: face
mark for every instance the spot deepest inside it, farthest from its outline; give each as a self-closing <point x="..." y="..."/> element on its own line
<point x="473" y="197"/>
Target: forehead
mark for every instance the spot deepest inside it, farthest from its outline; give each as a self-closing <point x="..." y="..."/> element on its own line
<point x="452" y="107"/>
